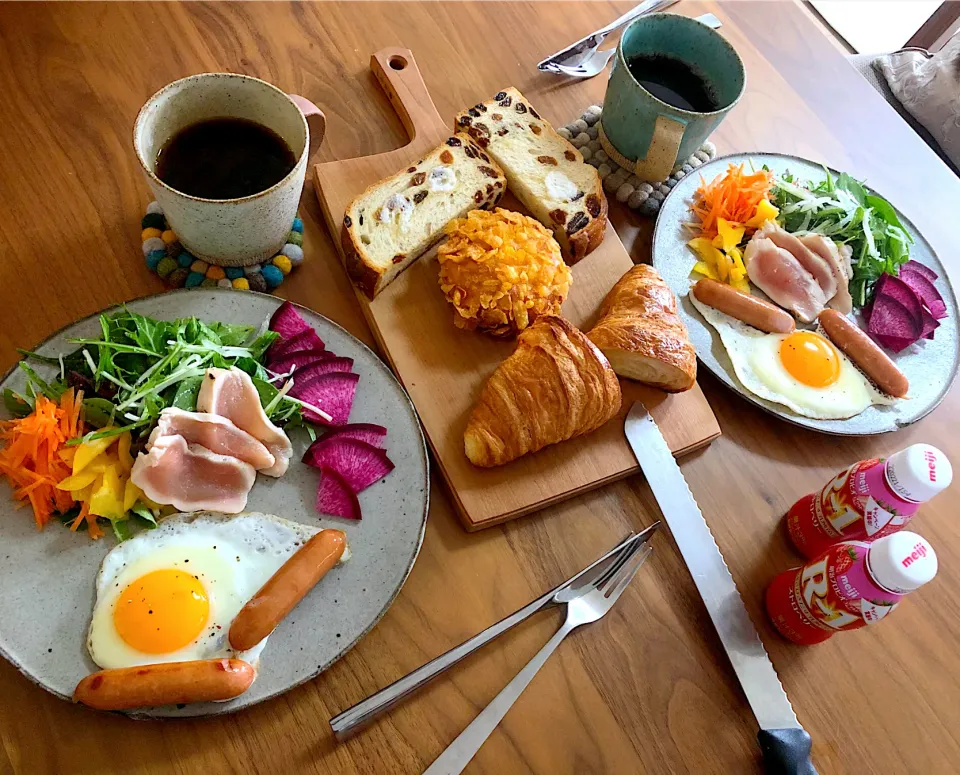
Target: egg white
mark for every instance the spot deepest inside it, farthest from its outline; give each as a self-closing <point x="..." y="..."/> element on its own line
<point x="755" y="356"/>
<point x="232" y="556"/>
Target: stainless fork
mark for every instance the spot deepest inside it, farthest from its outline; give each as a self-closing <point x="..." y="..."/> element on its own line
<point x="354" y="719"/>
<point x="588" y="607"/>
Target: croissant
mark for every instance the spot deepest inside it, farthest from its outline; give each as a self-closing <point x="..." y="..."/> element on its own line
<point x="643" y="336"/>
<point x="555" y="385"/>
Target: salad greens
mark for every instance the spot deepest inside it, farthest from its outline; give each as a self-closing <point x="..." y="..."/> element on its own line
<point x="841" y="208"/>
<point x="139" y="366"/>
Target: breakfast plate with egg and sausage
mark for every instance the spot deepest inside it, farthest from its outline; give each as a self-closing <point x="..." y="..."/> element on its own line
<point x="207" y="498"/>
<point x="808" y="293"/>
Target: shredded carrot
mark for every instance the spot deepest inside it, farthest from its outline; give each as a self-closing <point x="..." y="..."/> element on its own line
<point x="732" y="196"/>
<point x="85" y="516"/>
<point x="30" y="459"/>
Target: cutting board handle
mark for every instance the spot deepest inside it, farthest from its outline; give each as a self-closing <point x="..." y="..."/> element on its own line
<point x="397" y="72"/>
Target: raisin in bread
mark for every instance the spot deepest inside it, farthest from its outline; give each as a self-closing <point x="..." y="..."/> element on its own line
<point x="543" y="170"/>
<point x="395" y="221"/>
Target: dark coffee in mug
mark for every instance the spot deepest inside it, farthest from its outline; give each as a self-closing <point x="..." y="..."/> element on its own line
<point x="224" y="158"/>
<point x="673" y="81"/>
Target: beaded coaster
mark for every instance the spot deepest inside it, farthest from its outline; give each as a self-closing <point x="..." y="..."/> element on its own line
<point x="181" y="269"/>
<point x="621" y="183"/>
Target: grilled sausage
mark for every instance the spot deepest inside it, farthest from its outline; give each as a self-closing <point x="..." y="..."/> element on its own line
<point x="297" y="576"/>
<point x="864" y="352"/>
<point x="742" y="306"/>
<point x="168" y="683"/>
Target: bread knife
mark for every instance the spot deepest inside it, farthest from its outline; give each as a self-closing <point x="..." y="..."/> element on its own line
<point x="784" y="743"/>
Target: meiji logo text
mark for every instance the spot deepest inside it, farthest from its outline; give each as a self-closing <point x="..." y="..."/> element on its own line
<point x="918" y="551"/>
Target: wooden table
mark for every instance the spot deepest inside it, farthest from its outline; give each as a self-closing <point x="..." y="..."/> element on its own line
<point x="648" y="690"/>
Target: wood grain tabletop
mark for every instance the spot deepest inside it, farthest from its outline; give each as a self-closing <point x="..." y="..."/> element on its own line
<point x="648" y="689"/>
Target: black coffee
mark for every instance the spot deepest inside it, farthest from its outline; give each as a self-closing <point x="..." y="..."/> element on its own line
<point x="673" y="81"/>
<point x="224" y="158"/>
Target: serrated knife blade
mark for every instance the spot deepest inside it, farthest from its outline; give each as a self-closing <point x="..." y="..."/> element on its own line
<point x="784" y="742"/>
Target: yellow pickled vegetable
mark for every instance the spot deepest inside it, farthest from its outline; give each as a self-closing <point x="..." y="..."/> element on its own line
<point x="707" y="270"/>
<point x="729" y="234"/>
<point x="78" y="481"/>
<point x="131" y="494"/>
<point x="723" y="266"/>
<point x="765" y="211"/>
<point x="107" y="501"/>
<point x="89" y="451"/>
<point x="84" y="494"/>
<point x="123" y="451"/>
<point x="737" y="269"/>
<point x="705" y="249"/>
<point x="100" y="464"/>
<point x="101" y="478"/>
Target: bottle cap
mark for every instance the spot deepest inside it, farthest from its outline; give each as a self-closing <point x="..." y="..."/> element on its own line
<point x="918" y="472"/>
<point x="901" y="562"/>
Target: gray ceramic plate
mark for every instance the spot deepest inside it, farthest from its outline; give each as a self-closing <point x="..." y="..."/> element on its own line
<point x="48" y="577"/>
<point x="929" y="365"/>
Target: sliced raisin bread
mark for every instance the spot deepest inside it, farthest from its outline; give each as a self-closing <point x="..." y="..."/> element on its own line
<point x="543" y="170"/>
<point x="395" y="221"/>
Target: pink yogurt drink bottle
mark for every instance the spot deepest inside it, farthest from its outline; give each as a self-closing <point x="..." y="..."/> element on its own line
<point x="853" y="584"/>
<point x="868" y="500"/>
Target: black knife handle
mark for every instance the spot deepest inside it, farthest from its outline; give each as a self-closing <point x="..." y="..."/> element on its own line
<point x="786" y="752"/>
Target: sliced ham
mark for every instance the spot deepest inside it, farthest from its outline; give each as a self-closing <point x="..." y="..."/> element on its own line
<point x="826" y="248"/>
<point x="231" y="393"/>
<point x="810" y="261"/>
<point x="778" y="274"/>
<point x="216" y="433"/>
<point x="846" y="256"/>
<point x="192" y="478"/>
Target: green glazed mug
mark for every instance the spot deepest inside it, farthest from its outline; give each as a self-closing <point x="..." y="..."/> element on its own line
<point x="646" y="134"/>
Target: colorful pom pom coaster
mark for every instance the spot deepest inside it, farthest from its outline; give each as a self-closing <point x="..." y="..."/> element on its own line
<point x="181" y="269"/>
<point x="621" y="183"/>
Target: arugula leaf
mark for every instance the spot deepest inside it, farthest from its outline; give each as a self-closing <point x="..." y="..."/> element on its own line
<point x="17" y="405"/>
<point x="852" y="187"/>
<point x="98" y="412"/>
<point x="53" y="392"/>
<point x="885" y="210"/>
<point x="186" y="396"/>
<point x="144" y="514"/>
<point x="121" y="529"/>
<point x="38" y="357"/>
<point x="231" y="335"/>
<point x="260" y="345"/>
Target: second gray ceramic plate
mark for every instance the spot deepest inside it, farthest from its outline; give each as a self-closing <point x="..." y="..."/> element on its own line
<point x="48" y="577"/>
<point x="929" y="365"/>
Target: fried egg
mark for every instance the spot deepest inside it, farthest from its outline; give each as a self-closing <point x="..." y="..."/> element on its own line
<point x="170" y="594"/>
<point x="802" y="370"/>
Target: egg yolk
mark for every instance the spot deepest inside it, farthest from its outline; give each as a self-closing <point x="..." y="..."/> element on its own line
<point x="162" y="611"/>
<point x="810" y="359"/>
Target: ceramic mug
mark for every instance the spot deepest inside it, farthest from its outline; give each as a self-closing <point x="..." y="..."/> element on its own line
<point x="229" y="232"/>
<point x="646" y="134"/>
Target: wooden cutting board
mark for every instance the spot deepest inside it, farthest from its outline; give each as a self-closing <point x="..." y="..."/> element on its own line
<point x="444" y="368"/>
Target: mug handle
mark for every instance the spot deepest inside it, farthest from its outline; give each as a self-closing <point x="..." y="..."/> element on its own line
<point x="315" y="120"/>
<point x="661" y="156"/>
